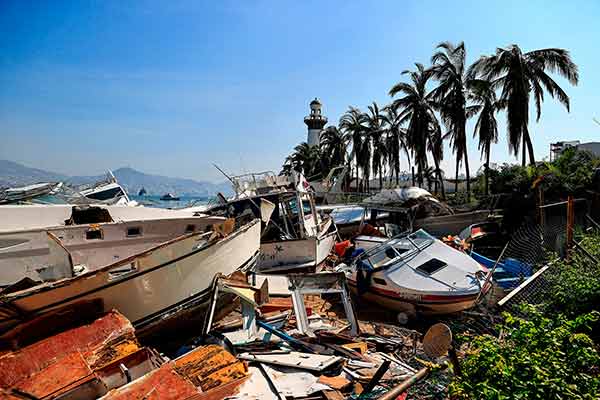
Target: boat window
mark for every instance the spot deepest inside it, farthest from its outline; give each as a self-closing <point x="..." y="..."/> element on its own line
<point x="379" y="281"/>
<point x="347" y="215"/>
<point x="420" y="239"/>
<point x="134" y="231"/>
<point x="190" y="228"/>
<point x="306" y="207"/>
<point x="431" y="266"/>
<point x="382" y="257"/>
<point x="293" y="206"/>
<point x="94" y="234"/>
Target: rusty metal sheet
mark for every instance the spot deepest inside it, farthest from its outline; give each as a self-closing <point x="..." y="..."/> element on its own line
<point x="163" y="383"/>
<point x="107" y="338"/>
<point x="67" y="370"/>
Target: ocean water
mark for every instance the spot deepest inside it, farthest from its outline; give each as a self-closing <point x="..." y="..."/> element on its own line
<point x="184" y="201"/>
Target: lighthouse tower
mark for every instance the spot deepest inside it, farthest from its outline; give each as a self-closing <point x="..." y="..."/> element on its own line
<point x="315" y="122"/>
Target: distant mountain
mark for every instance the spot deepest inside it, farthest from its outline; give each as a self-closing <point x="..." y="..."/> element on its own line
<point x="15" y="174"/>
<point x="133" y="180"/>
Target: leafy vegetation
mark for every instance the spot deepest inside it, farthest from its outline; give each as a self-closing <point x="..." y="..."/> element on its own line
<point x="569" y="174"/>
<point x="538" y="358"/>
<point x="549" y="351"/>
<point x="442" y="96"/>
<point x="575" y="284"/>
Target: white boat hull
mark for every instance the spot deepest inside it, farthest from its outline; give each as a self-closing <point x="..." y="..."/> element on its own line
<point x="160" y="278"/>
<point x="23" y="253"/>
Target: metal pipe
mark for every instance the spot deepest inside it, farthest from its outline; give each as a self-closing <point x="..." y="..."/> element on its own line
<point x="405" y="385"/>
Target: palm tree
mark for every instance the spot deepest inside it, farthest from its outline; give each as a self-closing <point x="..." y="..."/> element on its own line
<point x="304" y="159"/>
<point x="416" y="108"/>
<point x="451" y="99"/>
<point x="430" y="177"/>
<point x="352" y="124"/>
<point x="395" y="140"/>
<point x="436" y="148"/>
<point x="482" y="94"/>
<point x="333" y="147"/>
<point x="375" y="133"/>
<point x="519" y="74"/>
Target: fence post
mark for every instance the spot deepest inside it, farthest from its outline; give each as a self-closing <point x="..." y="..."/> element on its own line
<point x="570" y="222"/>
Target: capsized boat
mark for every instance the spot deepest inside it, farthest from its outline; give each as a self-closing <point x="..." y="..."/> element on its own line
<point x="416" y="273"/>
<point x="169" y="197"/>
<point x="294" y="234"/>
<point x="146" y="287"/>
<point x="108" y="191"/>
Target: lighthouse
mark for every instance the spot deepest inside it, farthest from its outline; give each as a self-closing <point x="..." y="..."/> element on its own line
<point x="315" y="122"/>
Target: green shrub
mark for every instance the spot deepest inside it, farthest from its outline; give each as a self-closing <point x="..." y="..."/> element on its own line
<point x="574" y="285"/>
<point x="537" y="358"/>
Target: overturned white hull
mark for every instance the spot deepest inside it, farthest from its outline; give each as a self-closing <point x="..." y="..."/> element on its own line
<point x="145" y="286"/>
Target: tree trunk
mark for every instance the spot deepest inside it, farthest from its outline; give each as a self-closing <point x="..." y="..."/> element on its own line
<point x="357" y="181"/>
<point x="468" y="176"/>
<point x="456" y="175"/>
<point x="440" y="178"/>
<point x="529" y="148"/>
<point x="524" y="159"/>
<point x="380" y="176"/>
<point x="487" y="170"/>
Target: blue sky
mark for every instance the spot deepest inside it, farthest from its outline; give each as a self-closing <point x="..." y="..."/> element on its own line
<point x="170" y="87"/>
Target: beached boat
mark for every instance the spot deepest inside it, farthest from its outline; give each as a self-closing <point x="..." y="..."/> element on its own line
<point x="416" y="273"/>
<point x="169" y="197"/>
<point x="107" y="191"/>
<point x="145" y="287"/>
<point x="408" y="209"/>
<point x="294" y="234"/>
<point x="16" y="194"/>
<point x="94" y="235"/>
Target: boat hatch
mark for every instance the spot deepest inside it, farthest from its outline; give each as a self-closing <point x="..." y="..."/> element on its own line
<point x="94" y="234"/>
<point x="88" y="215"/>
<point x="431" y="266"/>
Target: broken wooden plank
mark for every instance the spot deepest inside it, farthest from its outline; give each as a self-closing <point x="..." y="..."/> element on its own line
<point x="307" y="361"/>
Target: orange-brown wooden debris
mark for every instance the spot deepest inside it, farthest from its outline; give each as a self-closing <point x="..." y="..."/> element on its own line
<point x="210" y="366"/>
<point x="163" y="383"/>
<point x="99" y="343"/>
<point x="67" y="370"/>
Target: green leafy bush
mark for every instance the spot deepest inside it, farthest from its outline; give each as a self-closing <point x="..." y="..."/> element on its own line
<point x="537" y="358"/>
<point x="574" y="285"/>
<point x="571" y="173"/>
